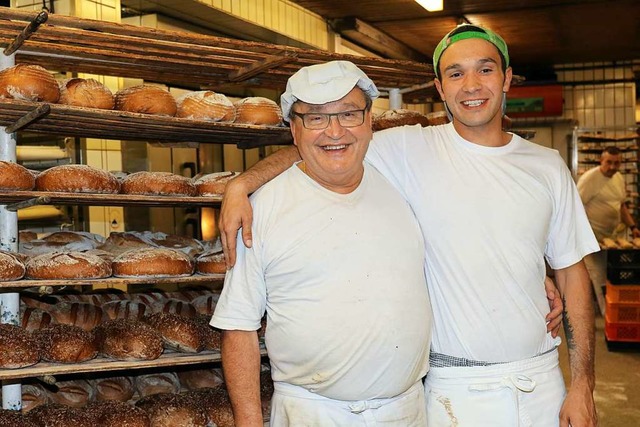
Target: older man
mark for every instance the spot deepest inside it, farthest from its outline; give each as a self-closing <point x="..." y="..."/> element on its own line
<point x="337" y="262"/>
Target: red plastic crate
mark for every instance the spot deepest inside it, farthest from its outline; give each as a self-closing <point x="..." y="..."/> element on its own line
<point x="623" y="293"/>
<point x="622" y="312"/>
<point x="627" y="332"/>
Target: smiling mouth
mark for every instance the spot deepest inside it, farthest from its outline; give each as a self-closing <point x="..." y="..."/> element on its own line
<point x="334" y="147"/>
<point x="473" y="103"/>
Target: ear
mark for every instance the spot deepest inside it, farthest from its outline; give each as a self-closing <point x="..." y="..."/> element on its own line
<point x="439" y="87"/>
<point x="292" y="129"/>
<point x="508" y="75"/>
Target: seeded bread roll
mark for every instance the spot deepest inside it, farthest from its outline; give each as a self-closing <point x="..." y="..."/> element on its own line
<point x="18" y="348"/>
<point x="161" y="382"/>
<point x="112" y="413"/>
<point x="11" y="267"/>
<point x="152" y="262"/>
<point x="258" y="111"/>
<point x="67" y="265"/>
<point x="85" y="315"/>
<point x="216" y="404"/>
<point x="77" y="179"/>
<point x="126" y="339"/>
<point x="399" y="117"/>
<point x="158" y="184"/>
<point x="56" y="415"/>
<point x="28" y="83"/>
<point x="212" y="262"/>
<point x="213" y="184"/>
<point x="114" y="388"/>
<point x="212" y="337"/>
<point x="66" y="344"/>
<point x="146" y="99"/>
<point x="170" y="410"/>
<point x="206" y="105"/>
<point x="178" y="333"/>
<point x="15" y="177"/>
<point x="33" y="395"/>
<point x="88" y="93"/>
<point x="73" y="393"/>
<point x="13" y="418"/>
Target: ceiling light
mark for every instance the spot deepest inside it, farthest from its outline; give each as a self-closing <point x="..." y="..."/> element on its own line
<point x="431" y="5"/>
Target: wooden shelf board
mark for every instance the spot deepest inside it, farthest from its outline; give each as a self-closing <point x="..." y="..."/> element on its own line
<point x="115" y="281"/>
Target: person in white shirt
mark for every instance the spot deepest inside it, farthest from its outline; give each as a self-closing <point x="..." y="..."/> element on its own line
<point x="602" y="190"/>
<point x="337" y="262"/>
<point x="492" y="207"/>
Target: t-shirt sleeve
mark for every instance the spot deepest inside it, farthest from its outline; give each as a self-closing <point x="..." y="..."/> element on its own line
<point x="570" y="235"/>
<point x="243" y="299"/>
<point x="586" y="189"/>
<point x="387" y="153"/>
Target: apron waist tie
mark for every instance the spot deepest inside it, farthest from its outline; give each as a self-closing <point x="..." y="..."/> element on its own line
<point x="515" y="383"/>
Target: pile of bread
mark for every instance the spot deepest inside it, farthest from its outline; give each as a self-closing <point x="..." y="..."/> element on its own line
<point x="620" y="243"/>
<point x="188" y="397"/>
<point x="87" y="179"/>
<point x="402" y="117"/>
<point x="79" y="255"/>
<point x="34" y="83"/>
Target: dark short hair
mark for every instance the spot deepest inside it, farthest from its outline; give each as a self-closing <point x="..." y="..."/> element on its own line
<point x="614" y="151"/>
<point x="368" y="102"/>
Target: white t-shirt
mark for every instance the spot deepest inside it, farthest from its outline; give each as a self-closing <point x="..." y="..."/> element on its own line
<point x="602" y="197"/>
<point x="342" y="279"/>
<point x="490" y="216"/>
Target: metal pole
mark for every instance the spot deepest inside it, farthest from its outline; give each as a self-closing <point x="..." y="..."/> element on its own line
<point x="395" y="99"/>
<point x="9" y="302"/>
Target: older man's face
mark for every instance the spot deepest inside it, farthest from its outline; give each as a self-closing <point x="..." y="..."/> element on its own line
<point x="609" y="164"/>
<point x="333" y="156"/>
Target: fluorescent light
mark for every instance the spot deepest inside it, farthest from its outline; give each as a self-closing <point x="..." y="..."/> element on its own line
<point x="431" y="5"/>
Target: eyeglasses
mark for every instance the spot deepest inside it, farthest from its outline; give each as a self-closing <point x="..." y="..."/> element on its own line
<point x="318" y="121"/>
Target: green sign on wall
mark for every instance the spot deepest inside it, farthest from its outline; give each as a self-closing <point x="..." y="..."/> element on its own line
<point x="525" y="105"/>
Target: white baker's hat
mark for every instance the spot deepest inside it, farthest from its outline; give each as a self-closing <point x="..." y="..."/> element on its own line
<point x="323" y="83"/>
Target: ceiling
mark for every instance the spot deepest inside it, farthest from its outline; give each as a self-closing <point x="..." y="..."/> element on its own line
<point x="539" y="33"/>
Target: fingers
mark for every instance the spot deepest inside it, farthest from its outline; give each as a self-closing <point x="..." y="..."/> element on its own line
<point x="247" y="237"/>
<point x="230" y="252"/>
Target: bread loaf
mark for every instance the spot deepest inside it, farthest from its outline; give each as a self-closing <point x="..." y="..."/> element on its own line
<point x="66" y="344"/>
<point x="11" y="268"/>
<point x="103" y="296"/>
<point x="60" y="241"/>
<point x="67" y="265"/>
<point x="399" y="117"/>
<point x="152" y="262"/>
<point x="161" y="382"/>
<point x="187" y="245"/>
<point x="28" y="83"/>
<point x="77" y="179"/>
<point x="86" y="316"/>
<point x="206" y="105"/>
<point x="438" y="118"/>
<point x="175" y="306"/>
<point x="112" y="413"/>
<point x="88" y="93"/>
<point x="124" y="310"/>
<point x="15" y="177"/>
<point x="74" y="393"/>
<point x="25" y="236"/>
<point x="114" y="388"/>
<point x="193" y="379"/>
<point x="126" y="339"/>
<point x="119" y="242"/>
<point x="158" y="184"/>
<point x="18" y="348"/>
<point x="65" y="237"/>
<point x="149" y="298"/>
<point x="206" y="304"/>
<point x="213" y="184"/>
<point x="33" y="395"/>
<point x="212" y="262"/>
<point x="56" y="415"/>
<point x="216" y="404"/>
<point x="13" y="418"/>
<point x="258" y="111"/>
<point x="146" y="99"/>
<point x="212" y="337"/>
<point x="34" y="318"/>
<point x="170" y="410"/>
<point x="178" y="333"/>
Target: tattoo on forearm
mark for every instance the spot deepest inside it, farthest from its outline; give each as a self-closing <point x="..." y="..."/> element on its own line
<point x="568" y="327"/>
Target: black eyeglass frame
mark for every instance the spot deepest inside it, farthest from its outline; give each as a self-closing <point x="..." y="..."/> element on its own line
<point x="329" y="115"/>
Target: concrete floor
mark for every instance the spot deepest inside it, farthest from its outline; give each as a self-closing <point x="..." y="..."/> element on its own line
<point x="617" y="392"/>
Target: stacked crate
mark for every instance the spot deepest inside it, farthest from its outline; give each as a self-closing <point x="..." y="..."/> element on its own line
<point x="622" y="312"/>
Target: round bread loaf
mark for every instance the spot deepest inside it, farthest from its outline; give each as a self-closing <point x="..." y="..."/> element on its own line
<point x="18" y="348"/>
<point x="34" y="318"/>
<point x="11" y="268"/>
<point x="88" y="93"/>
<point x="178" y="333"/>
<point x="187" y="245"/>
<point x="111" y="413"/>
<point x="28" y="83"/>
<point x="124" y="310"/>
<point x="127" y="339"/>
<point x="158" y="184"/>
<point x="114" y="388"/>
<point x="152" y="262"/>
<point x="57" y="415"/>
<point x="399" y="117"/>
<point x="65" y="237"/>
<point x="146" y="99"/>
<point x="258" y="111"/>
<point x="66" y="344"/>
<point x="438" y="118"/>
<point x="120" y="242"/>
<point x="13" y="418"/>
<point x="206" y="304"/>
<point x="161" y="382"/>
<point x="77" y="179"/>
<point x="15" y="177"/>
<point x="26" y="236"/>
<point x="193" y="379"/>
<point x="33" y="395"/>
<point x="213" y="184"/>
<point x="211" y="263"/>
<point x="67" y="265"/>
<point x="206" y="105"/>
<point x="216" y="404"/>
<point x="82" y="314"/>
<point x="211" y="337"/>
<point x="170" y="410"/>
<point x="74" y="393"/>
